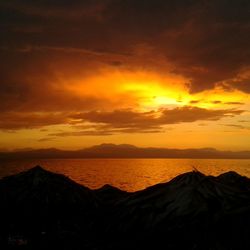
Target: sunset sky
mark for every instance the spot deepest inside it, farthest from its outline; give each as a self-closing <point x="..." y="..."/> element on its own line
<point x="158" y="73"/>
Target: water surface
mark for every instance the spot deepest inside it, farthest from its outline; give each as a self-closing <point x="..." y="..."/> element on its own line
<point x="126" y="174"/>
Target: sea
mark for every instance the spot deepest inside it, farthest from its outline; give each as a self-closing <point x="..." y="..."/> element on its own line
<point x="127" y="174"/>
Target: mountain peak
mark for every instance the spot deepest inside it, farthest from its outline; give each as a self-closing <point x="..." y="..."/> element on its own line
<point x="232" y="178"/>
<point x="189" y="178"/>
<point x="37" y="168"/>
<point x="109" y="145"/>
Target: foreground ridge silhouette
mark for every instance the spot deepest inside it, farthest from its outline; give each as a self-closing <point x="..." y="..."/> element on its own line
<point x="43" y="210"/>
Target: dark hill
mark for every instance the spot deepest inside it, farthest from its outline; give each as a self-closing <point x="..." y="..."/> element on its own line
<point x="108" y="194"/>
<point x="40" y="210"/>
<point x="40" y="204"/>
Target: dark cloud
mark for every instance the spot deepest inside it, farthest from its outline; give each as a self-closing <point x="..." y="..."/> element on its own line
<point x="216" y="102"/>
<point x="194" y="101"/>
<point x="238" y="126"/>
<point x="206" y="41"/>
<point x="242" y="84"/>
<point x="192" y="114"/>
<point x="234" y="103"/>
<point x="121" y="119"/>
<point x="15" y="121"/>
<point x="110" y="122"/>
<point x="104" y="132"/>
<point x="35" y="80"/>
<point x="44" y="44"/>
<point x="129" y="121"/>
<point x="244" y="121"/>
<point x="83" y="133"/>
<point x="46" y="139"/>
<point x="20" y="97"/>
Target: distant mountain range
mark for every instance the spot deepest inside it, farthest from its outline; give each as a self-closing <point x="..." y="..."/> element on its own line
<point x="125" y="151"/>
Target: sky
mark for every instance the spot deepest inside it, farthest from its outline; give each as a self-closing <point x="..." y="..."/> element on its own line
<point x="158" y="73"/>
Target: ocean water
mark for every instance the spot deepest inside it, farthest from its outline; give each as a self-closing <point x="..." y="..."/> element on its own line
<point x="126" y="174"/>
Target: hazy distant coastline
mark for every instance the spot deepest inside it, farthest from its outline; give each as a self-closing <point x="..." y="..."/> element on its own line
<point x="125" y="151"/>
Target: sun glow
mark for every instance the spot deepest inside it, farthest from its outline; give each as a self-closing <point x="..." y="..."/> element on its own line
<point x="141" y="89"/>
<point x="148" y="90"/>
<point x="152" y="95"/>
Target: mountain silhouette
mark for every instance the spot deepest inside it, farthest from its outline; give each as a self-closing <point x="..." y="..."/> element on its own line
<point x="41" y="209"/>
<point x="108" y="193"/>
<point x="38" y="203"/>
<point x="125" y="151"/>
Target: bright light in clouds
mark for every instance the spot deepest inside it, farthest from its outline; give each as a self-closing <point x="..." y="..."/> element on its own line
<point x="57" y="74"/>
<point x="148" y="89"/>
<point x="152" y="95"/>
<point x="140" y="92"/>
<point x="145" y="90"/>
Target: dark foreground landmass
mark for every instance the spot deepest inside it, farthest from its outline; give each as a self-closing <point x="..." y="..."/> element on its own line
<point x="43" y="210"/>
<point x="124" y="151"/>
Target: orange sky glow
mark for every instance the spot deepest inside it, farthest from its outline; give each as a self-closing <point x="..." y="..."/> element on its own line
<point x="141" y="96"/>
<point x="170" y="82"/>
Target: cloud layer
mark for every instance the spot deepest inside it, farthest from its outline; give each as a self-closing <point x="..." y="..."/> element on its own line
<point x="205" y="41"/>
<point x="110" y="67"/>
<point x="106" y="122"/>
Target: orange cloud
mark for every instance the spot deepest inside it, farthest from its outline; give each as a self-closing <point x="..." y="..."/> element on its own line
<point x="106" y="122"/>
<point x="74" y="63"/>
<point x="129" y="121"/>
